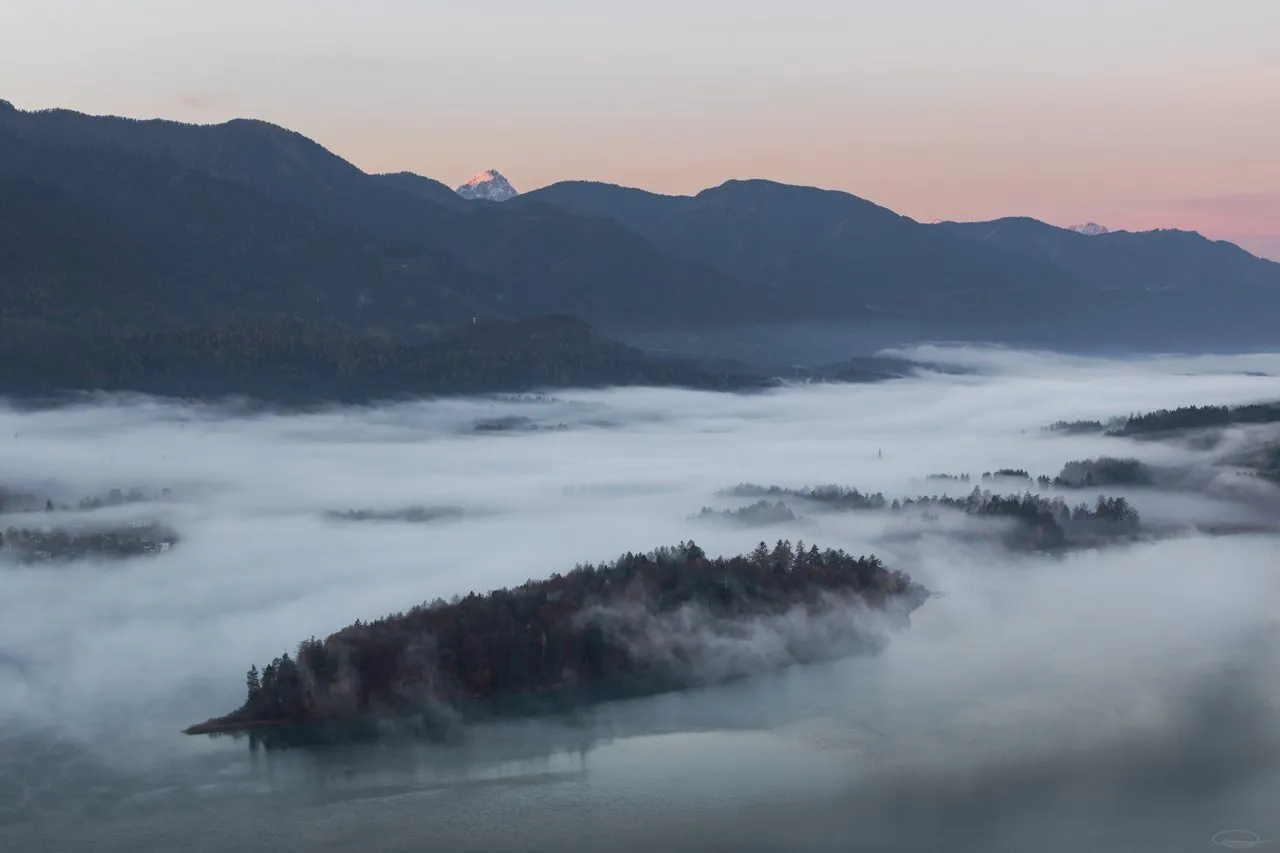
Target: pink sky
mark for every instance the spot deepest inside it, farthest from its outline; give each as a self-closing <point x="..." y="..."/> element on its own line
<point x="1131" y="113"/>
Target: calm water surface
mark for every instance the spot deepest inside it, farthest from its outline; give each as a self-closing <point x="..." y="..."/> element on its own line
<point x="842" y="756"/>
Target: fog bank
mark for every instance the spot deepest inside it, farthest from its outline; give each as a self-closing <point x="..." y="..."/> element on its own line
<point x="1037" y="683"/>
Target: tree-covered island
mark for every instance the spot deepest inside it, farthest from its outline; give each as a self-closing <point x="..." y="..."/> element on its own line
<point x="643" y="624"/>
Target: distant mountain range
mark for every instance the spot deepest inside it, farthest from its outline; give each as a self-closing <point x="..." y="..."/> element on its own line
<point x="1018" y="279"/>
<point x="830" y="254"/>
<point x="125" y="228"/>
<point x="115" y="224"/>
<point x="1090" y="228"/>
<point x="1167" y="288"/>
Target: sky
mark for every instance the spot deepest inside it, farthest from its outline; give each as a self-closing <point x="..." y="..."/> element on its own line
<point x="1132" y="113"/>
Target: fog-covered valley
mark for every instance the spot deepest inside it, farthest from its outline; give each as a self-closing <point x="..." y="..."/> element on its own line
<point x="1122" y="694"/>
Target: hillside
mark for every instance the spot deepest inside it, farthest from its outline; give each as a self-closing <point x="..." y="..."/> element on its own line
<point x="124" y="227"/>
<point x="140" y="225"/>
<point x="830" y="250"/>
<point x="290" y="362"/>
<point x="423" y="187"/>
<point x="1018" y="279"/>
<point x="1173" y="280"/>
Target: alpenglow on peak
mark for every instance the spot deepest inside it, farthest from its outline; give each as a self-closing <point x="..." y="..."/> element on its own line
<point x="489" y="185"/>
<point x="1093" y="229"/>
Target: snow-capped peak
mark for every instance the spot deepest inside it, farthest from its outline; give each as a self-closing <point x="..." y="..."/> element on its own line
<point x="489" y="185"/>
<point x="1093" y="229"/>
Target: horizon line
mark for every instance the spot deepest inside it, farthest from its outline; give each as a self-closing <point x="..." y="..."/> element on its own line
<point x="1231" y="240"/>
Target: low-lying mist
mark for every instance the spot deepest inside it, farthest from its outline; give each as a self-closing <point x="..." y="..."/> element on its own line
<point x="1031" y="680"/>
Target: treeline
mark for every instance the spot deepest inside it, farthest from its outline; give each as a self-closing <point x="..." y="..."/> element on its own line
<point x="515" y="423"/>
<point x="1086" y="474"/>
<point x="293" y="362"/>
<point x="412" y="514"/>
<point x="1200" y="417"/>
<point x="548" y="636"/>
<point x="19" y="501"/>
<point x="1104" y="471"/>
<point x="1042" y="523"/>
<point x="1171" y="420"/>
<point x="63" y="544"/>
<point x="758" y="514"/>
<point x="1006" y="473"/>
<point x="1076" y="427"/>
<point x="1083" y="473"/>
<point x="837" y="497"/>
<point x="1078" y="474"/>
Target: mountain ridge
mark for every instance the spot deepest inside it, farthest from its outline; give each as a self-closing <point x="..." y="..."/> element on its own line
<point x="243" y="219"/>
<point x="804" y="239"/>
<point x="1059" y="286"/>
<point x="139" y="225"/>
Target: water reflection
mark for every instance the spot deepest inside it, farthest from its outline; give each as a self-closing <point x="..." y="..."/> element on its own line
<point x="836" y="756"/>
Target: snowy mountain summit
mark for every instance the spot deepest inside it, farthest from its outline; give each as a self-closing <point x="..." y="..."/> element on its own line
<point x="1093" y="229"/>
<point x="489" y="185"/>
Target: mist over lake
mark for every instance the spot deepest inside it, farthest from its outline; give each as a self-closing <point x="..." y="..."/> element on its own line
<point x="1122" y="697"/>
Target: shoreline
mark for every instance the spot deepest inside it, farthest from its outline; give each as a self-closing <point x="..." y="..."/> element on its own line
<point x="531" y="704"/>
